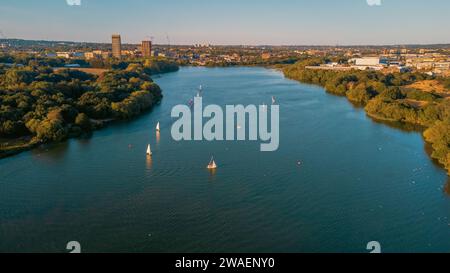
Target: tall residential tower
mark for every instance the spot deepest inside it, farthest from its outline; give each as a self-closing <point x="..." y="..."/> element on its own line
<point x="116" y="46"/>
<point x="146" y="49"/>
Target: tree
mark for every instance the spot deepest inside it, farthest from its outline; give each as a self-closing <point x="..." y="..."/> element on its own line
<point x="83" y="121"/>
<point x="51" y="130"/>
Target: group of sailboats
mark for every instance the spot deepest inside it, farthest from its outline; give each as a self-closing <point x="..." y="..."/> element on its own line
<point x="212" y="163"/>
<point x="211" y="166"/>
<point x="149" y="148"/>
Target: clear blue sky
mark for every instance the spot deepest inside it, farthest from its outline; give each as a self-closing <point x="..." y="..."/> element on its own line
<point x="299" y="22"/>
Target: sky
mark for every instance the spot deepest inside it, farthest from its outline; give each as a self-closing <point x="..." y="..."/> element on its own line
<point x="230" y="22"/>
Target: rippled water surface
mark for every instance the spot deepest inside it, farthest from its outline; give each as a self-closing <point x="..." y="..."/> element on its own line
<point x="359" y="181"/>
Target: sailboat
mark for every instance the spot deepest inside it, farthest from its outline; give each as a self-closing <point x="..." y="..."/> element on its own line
<point x="157" y="127"/>
<point x="273" y="100"/>
<point x="212" y="164"/>
<point x="199" y="92"/>
<point x="149" y="150"/>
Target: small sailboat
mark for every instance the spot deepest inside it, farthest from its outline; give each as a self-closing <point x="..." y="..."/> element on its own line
<point x="273" y="100"/>
<point x="149" y="150"/>
<point x="158" y="127"/>
<point x="212" y="164"/>
<point x="199" y="92"/>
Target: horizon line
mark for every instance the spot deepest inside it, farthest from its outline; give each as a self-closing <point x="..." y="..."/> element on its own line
<point x="256" y="45"/>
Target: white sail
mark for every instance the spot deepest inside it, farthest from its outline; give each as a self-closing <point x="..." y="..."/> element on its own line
<point x="149" y="150"/>
<point x="199" y="92"/>
<point x="273" y="100"/>
<point x="157" y="127"/>
<point x="212" y="164"/>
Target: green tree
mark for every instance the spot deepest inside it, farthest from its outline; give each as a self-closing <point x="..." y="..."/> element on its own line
<point x="83" y="121"/>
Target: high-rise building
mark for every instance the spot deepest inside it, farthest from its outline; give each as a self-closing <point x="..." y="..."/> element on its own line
<point x="116" y="46"/>
<point x="147" y="49"/>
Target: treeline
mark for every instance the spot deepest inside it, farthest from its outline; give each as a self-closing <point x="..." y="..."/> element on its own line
<point x="255" y="61"/>
<point x="152" y="65"/>
<point x="387" y="97"/>
<point x="44" y="105"/>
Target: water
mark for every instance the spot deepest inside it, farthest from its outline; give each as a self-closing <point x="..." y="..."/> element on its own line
<point x="360" y="181"/>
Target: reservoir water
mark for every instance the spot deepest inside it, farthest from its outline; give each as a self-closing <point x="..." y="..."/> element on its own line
<point x="359" y="181"/>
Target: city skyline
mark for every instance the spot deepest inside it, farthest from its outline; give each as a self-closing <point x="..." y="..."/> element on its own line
<point x="267" y="22"/>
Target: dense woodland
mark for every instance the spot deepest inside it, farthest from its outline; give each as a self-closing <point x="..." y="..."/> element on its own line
<point x="388" y="97"/>
<point x="39" y="104"/>
<point x="152" y="65"/>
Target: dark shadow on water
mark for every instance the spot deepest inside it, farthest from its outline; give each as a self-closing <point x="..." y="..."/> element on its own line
<point x="85" y="137"/>
<point x="356" y="104"/>
<point x="56" y="151"/>
<point x="108" y="129"/>
<point x="52" y="151"/>
<point x="84" y="142"/>
<point x="405" y="127"/>
<point x="429" y="150"/>
<point x="447" y="187"/>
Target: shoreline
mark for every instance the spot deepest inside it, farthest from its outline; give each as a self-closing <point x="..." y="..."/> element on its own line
<point x="33" y="144"/>
<point x="417" y="127"/>
<point x="99" y="124"/>
<point x="125" y="102"/>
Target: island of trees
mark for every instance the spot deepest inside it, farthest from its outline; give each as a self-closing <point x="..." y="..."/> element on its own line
<point x="393" y="97"/>
<point x="40" y="104"/>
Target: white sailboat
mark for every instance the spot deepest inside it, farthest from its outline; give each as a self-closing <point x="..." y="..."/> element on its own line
<point x="273" y="100"/>
<point x="158" y="127"/>
<point x="199" y="92"/>
<point x="149" y="150"/>
<point x="212" y="164"/>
